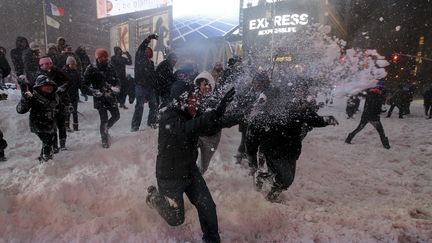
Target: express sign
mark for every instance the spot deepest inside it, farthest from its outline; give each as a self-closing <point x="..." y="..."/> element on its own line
<point x="282" y="23"/>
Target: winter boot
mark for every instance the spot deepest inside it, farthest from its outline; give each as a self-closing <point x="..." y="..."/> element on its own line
<point x="55" y="149"/>
<point x="75" y="127"/>
<point x="349" y="138"/>
<point x="273" y="195"/>
<point x="152" y="196"/>
<point x="2" y="156"/>
<point x="385" y="143"/>
<point x="261" y="177"/>
<point x="63" y="144"/>
<point x="106" y="141"/>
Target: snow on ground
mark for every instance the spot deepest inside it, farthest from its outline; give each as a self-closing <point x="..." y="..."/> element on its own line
<point x="342" y="193"/>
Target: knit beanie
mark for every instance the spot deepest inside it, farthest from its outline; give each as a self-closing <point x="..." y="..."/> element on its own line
<point x="100" y="52"/>
<point x="70" y="60"/>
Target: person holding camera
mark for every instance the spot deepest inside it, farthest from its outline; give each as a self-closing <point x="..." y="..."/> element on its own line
<point x="144" y="78"/>
<point x="119" y="62"/>
<point x="100" y="80"/>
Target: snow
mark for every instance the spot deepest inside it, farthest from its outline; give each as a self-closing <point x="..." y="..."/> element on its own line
<point x="398" y="28"/>
<point x="342" y="193"/>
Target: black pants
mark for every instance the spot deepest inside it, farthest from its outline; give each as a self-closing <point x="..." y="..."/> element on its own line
<point x="283" y="167"/>
<point x="108" y="123"/>
<point x="401" y="110"/>
<point x="125" y="90"/>
<point x="199" y="195"/>
<point x="153" y="104"/>
<point x="242" y="147"/>
<point x="74" y="104"/>
<point x="61" y="126"/>
<point x="48" y="140"/>
<point x="428" y="109"/>
<point x="378" y="126"/>
<point x="3" y="144"/>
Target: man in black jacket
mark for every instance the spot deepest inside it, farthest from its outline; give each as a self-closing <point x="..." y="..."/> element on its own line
<point x="74" y="85"/>
<point x="176" y="169"/>
<point x="31" y="62"/>
<point x="145" y="77"/>
<point x="101" y="81"/>
<point x="427" y="99"/>
<point x="371" y="114"/>
<point x="17" y="55"/>
<point x="119" y="62"/>
<point x="277" y="131"/>
<point x="4" y="64"/>
<point x="165" y="78"/>
<point x="3" y="143"/>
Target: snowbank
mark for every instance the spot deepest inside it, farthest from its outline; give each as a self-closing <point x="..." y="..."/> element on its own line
<point x="342" y="193"/>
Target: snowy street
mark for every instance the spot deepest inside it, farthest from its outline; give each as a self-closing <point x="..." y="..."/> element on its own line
<point x="341" y="193"/>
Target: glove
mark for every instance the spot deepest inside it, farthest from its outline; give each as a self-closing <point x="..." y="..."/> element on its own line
<point x="115" y="89"/>
<point x="226" y="100"/>
<point x="28" y="95"/>
<point x="330" y="120"/>
<point x="153" y="36"/>
<point x="97" y="93"/>
<point x="61" y="89"/>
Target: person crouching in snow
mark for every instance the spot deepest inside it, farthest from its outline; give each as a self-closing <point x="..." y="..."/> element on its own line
<point x="43" y="104"/>
<point x="176" y="169"/>
<point x="371" y="114"/>
<point x="207" y="144"/>
<point x="101" y="81"/>
<point x="277" y="132"/>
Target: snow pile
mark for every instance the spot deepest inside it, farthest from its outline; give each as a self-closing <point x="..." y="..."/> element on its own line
<point x="342" y="193"/>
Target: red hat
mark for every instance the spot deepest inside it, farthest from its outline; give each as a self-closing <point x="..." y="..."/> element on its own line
<point x="100" y="52"/>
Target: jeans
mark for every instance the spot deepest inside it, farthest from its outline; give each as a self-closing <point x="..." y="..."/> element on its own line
<point x="142" y="95"/>
<point x="196" y="190"/>
<point x="108" y="123"/>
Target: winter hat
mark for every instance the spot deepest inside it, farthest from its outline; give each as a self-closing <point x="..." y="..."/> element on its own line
<point x="70" y="60"/>
<point x="60" y="38"/>
<point x="180" y="91"/>
<point x="45" y="60"/>
<point x="205" y="75"/>
<point x="51" y="46"/>
<point x="34" y="46"/>
<point x="43" y="80"/>
<point x="100" y="52"/>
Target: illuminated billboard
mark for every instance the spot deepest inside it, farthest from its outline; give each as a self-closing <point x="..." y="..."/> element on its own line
<point x="202" y="19"/>
<point x="107" y="8"/>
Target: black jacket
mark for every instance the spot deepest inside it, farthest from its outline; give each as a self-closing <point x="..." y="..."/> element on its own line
<point x="144" y="68"/>
<point x="4" y="67"/>
<point x="373" y="105"/>
<point x="74" y="84"/>
<point x="165" y="77"/>
<point x="62" y="82"/>
<point x="85" y="60"/>
<point x="101" y="78"/>
<point x="43" y="111"/>
<point x="178" y="141"/>
<point x="17" y="56"/>
<point x="31" y="64"/>
<point x="281" y="135"/>
<point x="119" y="63"/>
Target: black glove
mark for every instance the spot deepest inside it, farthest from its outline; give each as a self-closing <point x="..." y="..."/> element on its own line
<point x="226" y="100"/>
<point x="3" y="96"/>
<point x="331" y="120"/>
<point x="153" y="36"/>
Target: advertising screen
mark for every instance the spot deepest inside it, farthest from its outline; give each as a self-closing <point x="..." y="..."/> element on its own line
<point x="107" y="8"/>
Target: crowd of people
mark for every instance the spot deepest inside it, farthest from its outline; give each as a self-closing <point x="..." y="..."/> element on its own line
<point x="188" y="108"/>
